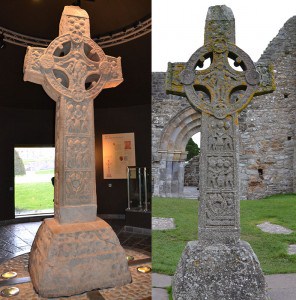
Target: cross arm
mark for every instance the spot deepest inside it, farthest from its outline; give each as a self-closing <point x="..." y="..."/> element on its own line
<point x="32" y="68"/>
<point x="174" y="83"/>
<point x="115" y="72"/>
<point x="267" y="82"/>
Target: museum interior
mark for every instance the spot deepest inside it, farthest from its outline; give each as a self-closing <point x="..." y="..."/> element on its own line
<point x="27" y="113"/>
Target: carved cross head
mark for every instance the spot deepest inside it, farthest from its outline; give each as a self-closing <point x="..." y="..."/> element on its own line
<point x="220" y="89"/>
<point x="73" y="65"/>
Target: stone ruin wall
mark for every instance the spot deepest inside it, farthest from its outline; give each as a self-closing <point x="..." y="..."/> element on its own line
<point x="164" y="108"/>
<point x="267" y="125"/>
<point x="191" y="172"/>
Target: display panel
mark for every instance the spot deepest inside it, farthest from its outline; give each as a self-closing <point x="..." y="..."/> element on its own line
<point x="118" y="154"/>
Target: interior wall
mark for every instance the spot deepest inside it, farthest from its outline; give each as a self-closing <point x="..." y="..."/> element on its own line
<point x="33" y="127"/>
<point x="137" y="119"/>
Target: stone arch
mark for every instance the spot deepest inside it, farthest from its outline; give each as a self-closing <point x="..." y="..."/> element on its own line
<point x="171" y="154"/>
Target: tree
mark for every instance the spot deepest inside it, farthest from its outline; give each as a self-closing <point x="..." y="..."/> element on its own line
<point x="19" y="167"/>
<point x="192" y="149"/>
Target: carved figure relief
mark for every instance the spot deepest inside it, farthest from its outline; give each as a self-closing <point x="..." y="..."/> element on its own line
<point x="220" y="209"/>
<point x="220" y="138"/>
<point x="266" y="77"/>
<point x="220" y="173"/>
<point x="78" y="153"/>
<point x="77" y="117"/>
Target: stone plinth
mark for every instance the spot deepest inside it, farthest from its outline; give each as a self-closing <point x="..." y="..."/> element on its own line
<point x="219" y="272"/>
<point x="90" y="255"/>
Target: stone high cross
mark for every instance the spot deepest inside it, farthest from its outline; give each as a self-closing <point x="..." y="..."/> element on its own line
<point x="73" y="70"/>
<point x="76" y="251"/>
<point x="220" y="92"/>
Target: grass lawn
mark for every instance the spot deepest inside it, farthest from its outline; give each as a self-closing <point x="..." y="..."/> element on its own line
<point x="271" y="249"/>
<point x="51" y="171"/>
<point x="33" y="196"/>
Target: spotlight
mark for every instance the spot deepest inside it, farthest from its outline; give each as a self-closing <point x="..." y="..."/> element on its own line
<point x="10" y="291"/>
<point x="9" y="275"/>
<point x="144" y="269"/>
<point x="2" y="43"/>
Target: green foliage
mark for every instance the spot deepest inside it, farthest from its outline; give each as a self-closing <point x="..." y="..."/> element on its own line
<point x="192" y="149"/>
<point x="33" y="196"/>
<point x="271" y="249"/>
<point x="19" y="167"/>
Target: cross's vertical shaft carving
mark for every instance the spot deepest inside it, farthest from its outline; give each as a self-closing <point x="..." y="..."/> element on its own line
<point x="220" y="92"/>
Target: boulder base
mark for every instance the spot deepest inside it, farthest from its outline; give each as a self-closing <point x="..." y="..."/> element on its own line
<point x="69" y="259"/>
<point x="219" y="272"/>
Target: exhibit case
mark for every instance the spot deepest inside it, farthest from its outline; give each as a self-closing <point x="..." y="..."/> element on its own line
<point x="138" y="189"/>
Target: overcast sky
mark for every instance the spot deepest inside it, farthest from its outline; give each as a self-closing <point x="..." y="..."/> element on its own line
<point x="178" y="26"/>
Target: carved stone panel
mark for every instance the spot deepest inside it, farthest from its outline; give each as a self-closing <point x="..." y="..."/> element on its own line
<point x="78" y="117"/>
<point x="78" y="188"/>
<point x="220" y="209"/>
<point x="220" y="137"/>
<point x="220" y="173"/>
<point x="78" y="153"/>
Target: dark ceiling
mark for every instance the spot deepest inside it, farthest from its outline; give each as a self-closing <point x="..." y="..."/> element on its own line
<point x="40" y="19"/>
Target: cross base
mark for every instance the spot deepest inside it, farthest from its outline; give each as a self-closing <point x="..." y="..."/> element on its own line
<point x="219" y="271"/>
<point x="74" y="258"/>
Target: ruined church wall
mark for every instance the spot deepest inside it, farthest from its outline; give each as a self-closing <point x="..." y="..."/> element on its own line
<point x="164" y="108"/>
<point x="191" y="172"/>
<point x="267" y="125"/>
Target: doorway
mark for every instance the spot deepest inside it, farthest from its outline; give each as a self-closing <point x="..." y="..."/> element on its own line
<point x="170" y="157"/>
<point x="33" y="173"/>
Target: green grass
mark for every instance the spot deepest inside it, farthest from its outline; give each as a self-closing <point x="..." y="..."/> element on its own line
<point x="33" y="196"/>
<point x="51" y="171"/>
<point x="168" y="245"/>
<point x="271" y="249"/>
<point x="170" y="292"/>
